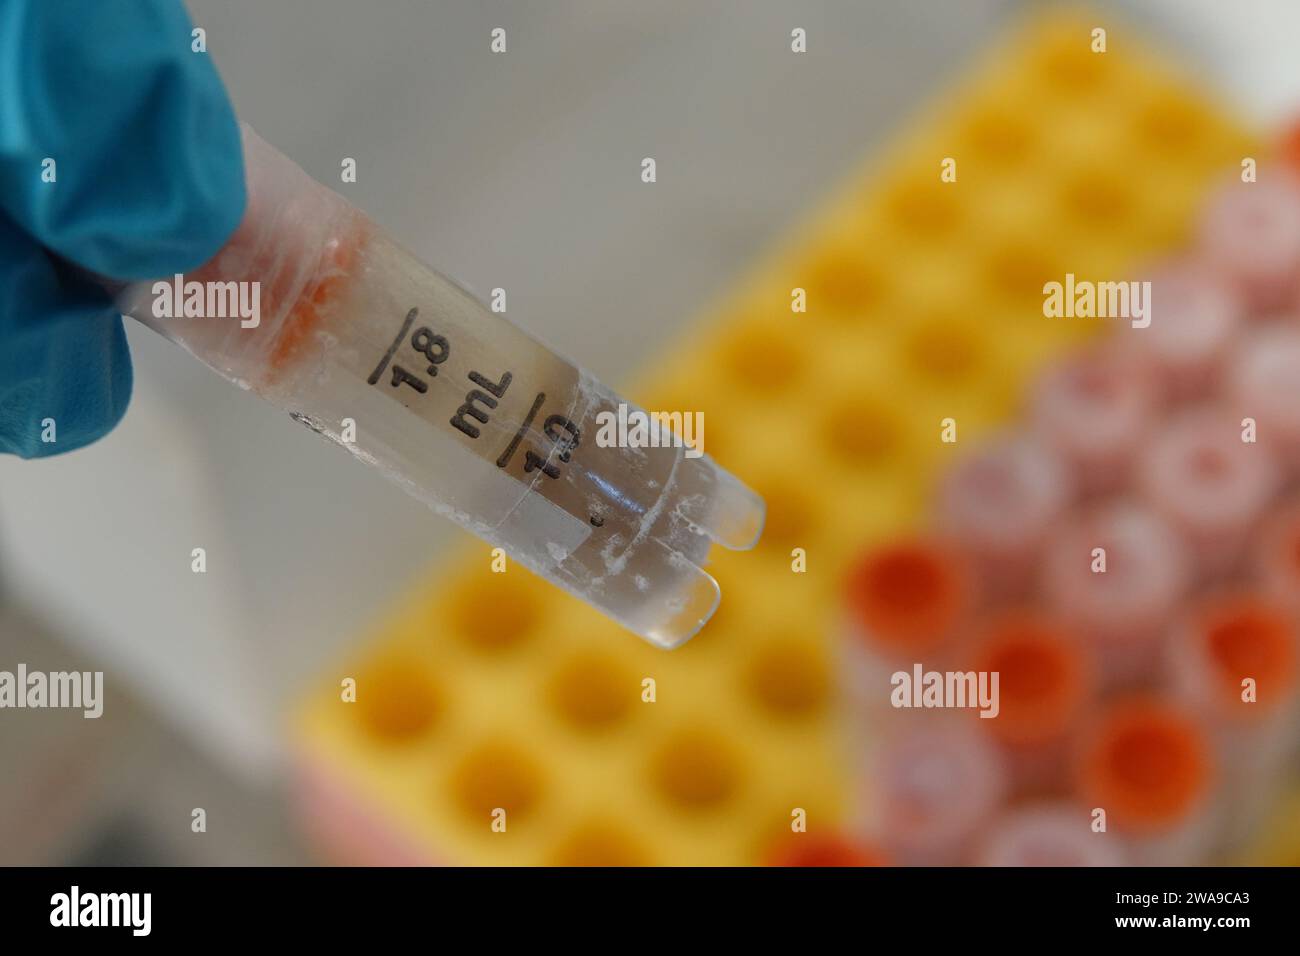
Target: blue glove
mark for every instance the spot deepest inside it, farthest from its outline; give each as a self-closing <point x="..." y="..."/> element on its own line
<point x="147" y="181"/>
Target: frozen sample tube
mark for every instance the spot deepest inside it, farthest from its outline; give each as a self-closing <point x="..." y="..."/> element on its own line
<point x="1277" y="558"/>
<point x="1148" y="764"/>
<point x="826" y="850"/>
<point x="999" y="503"/>
<point x="905" y="601"/>
<point x="1045" y="686"/>
<point x="934" y="787"/>
<point x="1250" y="233"/>
<point x="1050" y="835"/>
<point x="1186" y="346"/>
<point x="1264" y="385"/>
<point x="465" y="411"/>
<point x="1095" y="410"/>
<point x="1115" y="574"/>
<point x="1208" y="484"/>
<point x="1226" y="641"/>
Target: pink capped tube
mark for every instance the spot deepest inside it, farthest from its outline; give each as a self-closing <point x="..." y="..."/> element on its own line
<point x="1194" y="318"/>
<point x="1209" y="484"/>
<point x="1277" y="556"/>
<point x="1250" y="235"/>
<point x="1095" y="409"/>
<point x="1264" y="385"/>
<point x="999" y="503"/>
<point x="932" y="789"/>
<point x="1050" y="835"/>
<point x="1116" y="574"/>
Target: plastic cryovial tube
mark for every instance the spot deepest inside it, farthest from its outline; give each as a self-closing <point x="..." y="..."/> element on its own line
<point x="1115" y="575"/>
<point x="1184" y="350"/>
<point x="1264" y="385"/>
<point x="999" y="503"/>
<point x="905" y="602"/>
<point x="1095" y="410"/>
<point x="1149" y="765"/>
<point x="1250" y="234"/>
<point x="932" y="788"/>
<point x="1209" y="484"/>
<point x="1221" y="644"/>
<point x="1277" y="560"/>
<point x="466" y="412"/>
<point x="1045" y="684"/>
<point x="828" y="850"/>
<point x="1050" y="835"/>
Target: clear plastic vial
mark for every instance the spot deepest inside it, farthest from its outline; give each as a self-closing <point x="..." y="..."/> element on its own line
<point x="462" y="409"/>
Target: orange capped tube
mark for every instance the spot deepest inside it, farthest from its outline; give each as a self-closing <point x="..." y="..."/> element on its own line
<point x="1149" y="765"/>
<point x="905" y="602"/>
<point x="1234" y="661"/>
<point x="1045" y="686"/>
<point x="832" y="850"/>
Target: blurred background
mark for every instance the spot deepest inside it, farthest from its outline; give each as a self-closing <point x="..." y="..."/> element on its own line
<point x="486" y="168"/>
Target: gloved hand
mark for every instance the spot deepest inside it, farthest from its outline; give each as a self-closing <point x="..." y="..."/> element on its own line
<point x="146" y="181"/>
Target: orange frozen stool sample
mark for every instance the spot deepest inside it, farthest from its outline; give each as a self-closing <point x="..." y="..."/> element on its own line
<point x="460" y="407"/>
